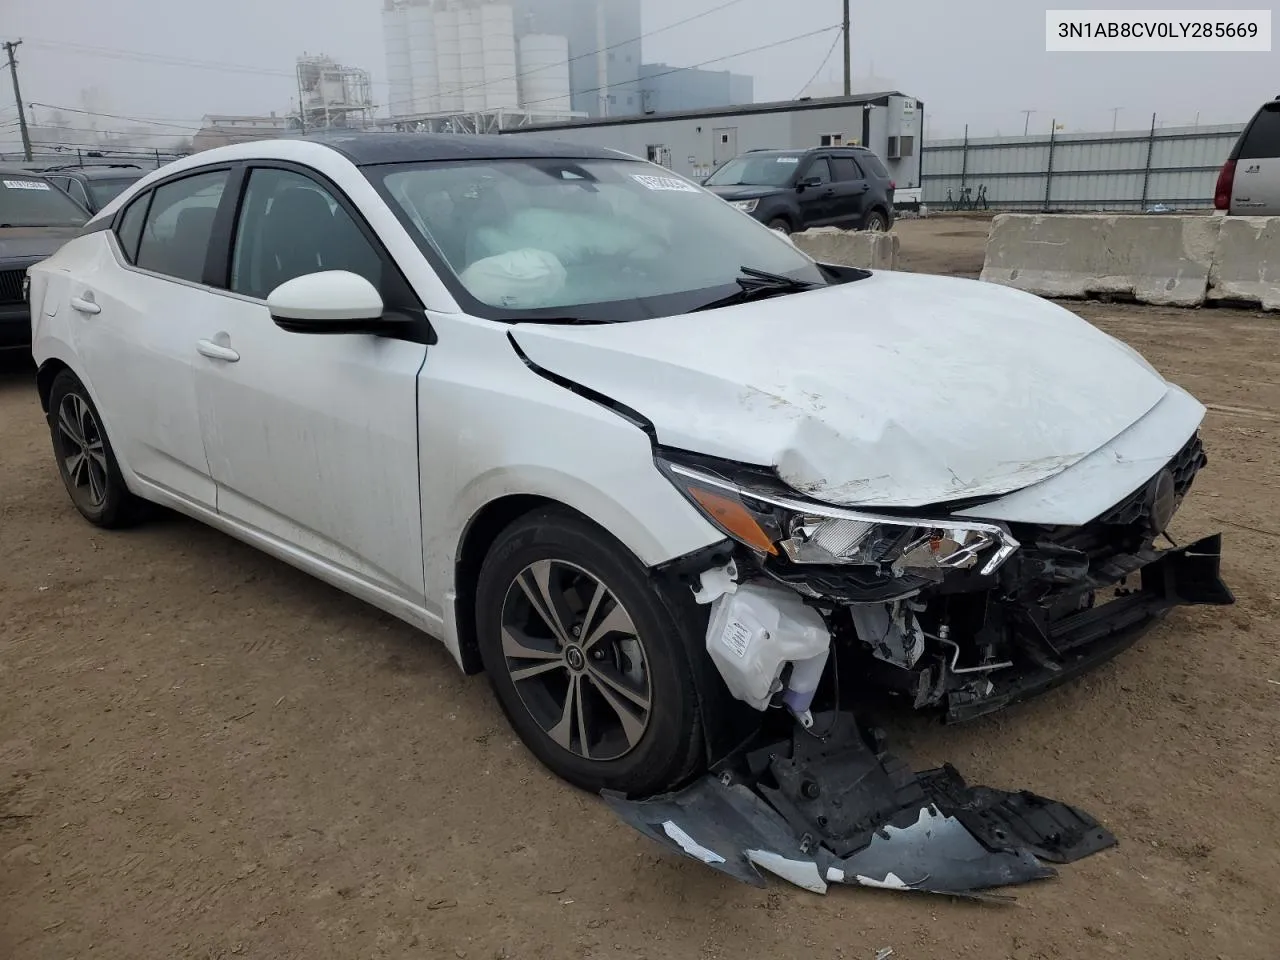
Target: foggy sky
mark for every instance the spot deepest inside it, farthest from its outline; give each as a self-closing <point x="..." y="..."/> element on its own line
<point x="980" y="63"/>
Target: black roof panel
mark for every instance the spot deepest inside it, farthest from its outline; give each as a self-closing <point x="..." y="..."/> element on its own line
<point x="364" y="149"/>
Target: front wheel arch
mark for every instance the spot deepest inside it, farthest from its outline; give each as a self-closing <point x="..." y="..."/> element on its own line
<point x="477" y="539"/>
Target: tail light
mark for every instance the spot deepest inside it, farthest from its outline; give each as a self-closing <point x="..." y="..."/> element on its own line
<point x="1226" y="180"/>
<point x="893" y="184"/>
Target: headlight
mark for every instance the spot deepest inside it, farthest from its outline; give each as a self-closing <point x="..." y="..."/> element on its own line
<point x="746" y="206"/>
<point x="811" y="533"/>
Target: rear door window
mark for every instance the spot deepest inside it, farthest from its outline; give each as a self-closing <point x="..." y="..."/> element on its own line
<point x="845" y="168"/>
<point x="179" y="225"/>
<point x="1262" y="142"/>
<point x="129" y="231"/>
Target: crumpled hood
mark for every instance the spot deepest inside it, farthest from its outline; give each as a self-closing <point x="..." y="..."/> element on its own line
<point x="897" y="390"/>
<point x="26" y="243"/>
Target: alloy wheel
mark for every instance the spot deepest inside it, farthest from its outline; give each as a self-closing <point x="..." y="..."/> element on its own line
<point x="576" y="660"/>
<point x="84" y="457"/>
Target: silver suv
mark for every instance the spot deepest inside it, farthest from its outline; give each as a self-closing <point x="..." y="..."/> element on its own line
<point x="1249" y="184"/>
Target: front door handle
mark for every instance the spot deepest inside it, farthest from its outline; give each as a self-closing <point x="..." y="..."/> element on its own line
<point x="216" y="351"/>
<point x="85" y="304"/>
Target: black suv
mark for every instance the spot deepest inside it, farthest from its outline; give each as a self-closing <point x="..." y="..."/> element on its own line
<point x="796" y="189"/>
<point x="36" y="218"/>
<point x="94" y="186"/>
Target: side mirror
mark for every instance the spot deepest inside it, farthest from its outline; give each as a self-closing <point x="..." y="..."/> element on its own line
<point x="808" y="182"/>
<point x="332" y="301"/>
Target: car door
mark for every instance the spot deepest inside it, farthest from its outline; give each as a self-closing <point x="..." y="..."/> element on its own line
<point x="1256" y="187"/>
<point x="816" y="199"/>
<point x="139" y="310"/>
<point x="313" y="439"/>
<point x="852" y="191"/>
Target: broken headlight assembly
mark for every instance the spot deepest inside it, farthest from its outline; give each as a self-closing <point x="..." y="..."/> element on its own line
<point x="776" y="525"/>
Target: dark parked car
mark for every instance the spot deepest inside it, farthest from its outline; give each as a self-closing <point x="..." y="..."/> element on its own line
<point x="36" y="218"/>
<point x="796" y="189"/>
<point x="93" y="187"/>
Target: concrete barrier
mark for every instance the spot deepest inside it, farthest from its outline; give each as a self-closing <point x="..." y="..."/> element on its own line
<point x="1246" y="262"/>
<point x="1159" y="260"/>
<point x="852" y="248"/>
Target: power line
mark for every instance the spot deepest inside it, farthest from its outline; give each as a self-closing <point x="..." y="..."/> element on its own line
<point x="704" y="63"/>
<point x="177" y="123"/>
<point x="825" y="61"/>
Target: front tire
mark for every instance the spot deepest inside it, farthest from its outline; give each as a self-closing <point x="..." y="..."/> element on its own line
<point x="590" y="658"/>
<point x="781" y="224"/>
<point x="86" y="462"/>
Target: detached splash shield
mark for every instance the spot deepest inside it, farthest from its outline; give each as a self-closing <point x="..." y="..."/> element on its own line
<point x="844" y="810"/>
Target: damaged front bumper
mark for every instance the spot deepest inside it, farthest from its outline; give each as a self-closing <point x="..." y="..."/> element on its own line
<point x="1061" y="637"/>
<point x="964" y="615"/>
<point x="841" y="809"/>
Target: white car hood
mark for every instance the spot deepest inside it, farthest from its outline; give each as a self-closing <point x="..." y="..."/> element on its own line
<point x="897" y="390"/>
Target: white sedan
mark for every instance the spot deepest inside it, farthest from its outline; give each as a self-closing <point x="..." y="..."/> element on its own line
<point x="612" y="441"/>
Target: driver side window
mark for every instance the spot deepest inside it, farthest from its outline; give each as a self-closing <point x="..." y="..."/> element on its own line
<point x="819" y="168"/>
<point x="291" y="226"/>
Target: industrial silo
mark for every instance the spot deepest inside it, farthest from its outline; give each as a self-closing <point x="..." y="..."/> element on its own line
<point x="544" y="74"/>
<point x="448" y="60"/>
<point x="501" y="88"/>
<point x="395" y="41"/>
<point x="471" y="44"/>
<point x="422" y="59"/>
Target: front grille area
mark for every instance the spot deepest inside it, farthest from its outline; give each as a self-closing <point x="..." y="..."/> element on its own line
<point x="1186" y="463"/>
<point x="11" y="286"/>
<point x="1124" y="528"/>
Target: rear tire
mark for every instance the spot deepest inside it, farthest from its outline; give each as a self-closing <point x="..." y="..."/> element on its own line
<point x="876" y="222"/>
<point x="86" y="462"/>
<point x="606" y="691"/>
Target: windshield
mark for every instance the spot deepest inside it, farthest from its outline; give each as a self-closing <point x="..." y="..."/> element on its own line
<point x="603" y="240"/>
<point x="757" y="170"/>
<point x="34" y="202"/>
<point x="104" y="191"/>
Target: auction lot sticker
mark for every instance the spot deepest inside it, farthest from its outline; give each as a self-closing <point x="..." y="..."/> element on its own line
<point x="1158" y="31"/>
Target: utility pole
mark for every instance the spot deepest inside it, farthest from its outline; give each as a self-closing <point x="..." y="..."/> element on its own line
<point x="302" y="110"/>
<point x="1026" y="122"/>
<point x="848" y="57"/>
<point x="11" y="48"/>
<point x="1115" y="115"/>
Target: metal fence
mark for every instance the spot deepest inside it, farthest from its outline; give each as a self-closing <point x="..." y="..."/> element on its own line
<point x="87" y="155"/>
<point x="1169" y="167"/>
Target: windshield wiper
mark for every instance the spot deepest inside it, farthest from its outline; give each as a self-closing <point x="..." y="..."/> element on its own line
<point x="757" y="284"/>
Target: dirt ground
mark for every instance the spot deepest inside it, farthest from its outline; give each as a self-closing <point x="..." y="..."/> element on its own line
<point x="206" y="754"/>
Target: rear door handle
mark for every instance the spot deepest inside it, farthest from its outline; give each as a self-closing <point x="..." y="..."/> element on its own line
<point x="216" y="351"/>
<point x="85" y="304"/>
